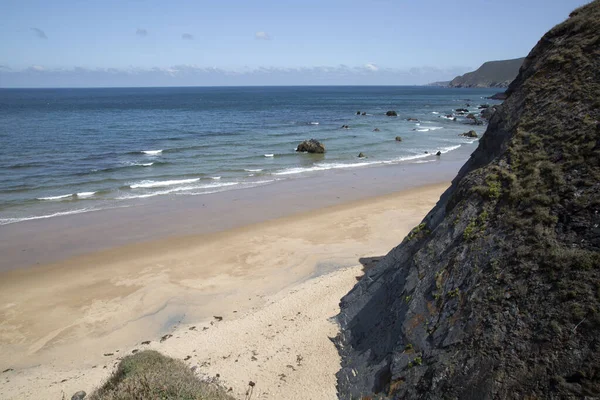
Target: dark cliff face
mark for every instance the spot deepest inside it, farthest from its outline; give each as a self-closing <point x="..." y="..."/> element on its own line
<point x="497" y="293"/>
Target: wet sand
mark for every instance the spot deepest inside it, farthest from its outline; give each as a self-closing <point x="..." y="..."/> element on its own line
<point x="40" y="242"/>
<point x="276" y="284"/>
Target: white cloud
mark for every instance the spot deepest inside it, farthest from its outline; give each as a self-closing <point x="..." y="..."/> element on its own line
<point x="260" y="35"/>
<point x="371" y="67"/>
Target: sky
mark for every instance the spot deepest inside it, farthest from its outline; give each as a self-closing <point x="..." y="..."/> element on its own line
<point x="75" y="43"/>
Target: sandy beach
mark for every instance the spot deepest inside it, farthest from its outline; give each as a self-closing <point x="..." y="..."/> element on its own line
<point x="274" y="285"/>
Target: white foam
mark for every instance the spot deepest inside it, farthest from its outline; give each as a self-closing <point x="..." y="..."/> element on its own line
<point x="216" y="178"/>
<point x="444" y="150"/>
<point x="269" y="155"/>
<point x="178" y="189"/>
<point x="64" y="196"/>
<point x="85" y="194"/>
<point x="323" y="167"/>
<point x="151" y="152"/>
<point x="145" y="164"/>
<point x="154" y="184"/>
<point x="314" y="123"/>
<point x="6" y="221"/>
<point x="431" y="128"/>
<point x="435" y="112"/>
<point x="252" y="170"/>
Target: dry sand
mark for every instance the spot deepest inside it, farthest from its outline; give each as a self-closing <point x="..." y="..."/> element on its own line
<point x="276" y="284"/>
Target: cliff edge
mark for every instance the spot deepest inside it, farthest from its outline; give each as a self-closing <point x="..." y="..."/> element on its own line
<point x="491" y="74"/>
<point x="496" y="294"/>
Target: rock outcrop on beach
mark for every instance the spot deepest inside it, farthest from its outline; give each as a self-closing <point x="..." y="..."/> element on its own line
<point x="496" y="294"/>
<point x="490" y="74"/>
<point x="311" y="146"/>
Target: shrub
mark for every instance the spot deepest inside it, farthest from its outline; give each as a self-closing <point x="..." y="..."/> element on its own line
<point x="151" y="375"/>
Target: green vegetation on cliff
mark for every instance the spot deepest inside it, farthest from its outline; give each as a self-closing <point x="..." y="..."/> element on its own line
<point x="504" y="290"/>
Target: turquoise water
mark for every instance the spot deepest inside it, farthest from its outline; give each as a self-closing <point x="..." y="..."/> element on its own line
<point x="68" y="151"/>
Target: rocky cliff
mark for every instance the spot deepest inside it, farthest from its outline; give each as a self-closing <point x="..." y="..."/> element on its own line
<point x="496" y="294"/>
<point x="490" y="74"/>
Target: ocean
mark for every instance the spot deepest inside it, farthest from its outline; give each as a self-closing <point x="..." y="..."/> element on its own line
<point x="69" y="151"/>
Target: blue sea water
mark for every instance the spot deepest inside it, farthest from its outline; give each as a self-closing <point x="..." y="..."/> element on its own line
<point x="68" y="151"/>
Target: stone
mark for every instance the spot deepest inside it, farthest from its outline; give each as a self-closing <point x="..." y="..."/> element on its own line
<point x="311" y="146"/>
<point x="391" y="113"/>
<point x="398" y="138"/>
<point x="439" y="153"/>
<point x="361" y="155"/>
<point x="471" y="134"/>
<point x="376" y="130"/>
<point x="79" y="395"/>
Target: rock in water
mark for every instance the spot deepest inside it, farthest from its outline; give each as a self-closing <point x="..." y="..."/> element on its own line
<point x="391" y="114"/>
<point x="361" y="155"/>
<point x="471" y="134"/>
<point x="439" y="153"/>
<point x="358" y="113"/>
<point x="376" y="130"/>
<point x="398" y="138"/>
<point x="495" y="295"/>
<point x="311" y="146"/>
<point x="79" y="395"/>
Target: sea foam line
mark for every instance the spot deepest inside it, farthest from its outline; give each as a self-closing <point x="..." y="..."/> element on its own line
<point x="154" y="184"/>
<point x="178" y="189"/>
<point x="6" y="221"/>
<point x="152" y="152"/>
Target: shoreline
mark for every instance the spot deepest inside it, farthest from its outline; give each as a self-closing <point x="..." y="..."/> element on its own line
<point x="39" y="242"/>
<point x="62" y="318"/>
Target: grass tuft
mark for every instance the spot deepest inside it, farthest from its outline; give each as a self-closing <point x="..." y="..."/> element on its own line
<point x="151" y="375"/>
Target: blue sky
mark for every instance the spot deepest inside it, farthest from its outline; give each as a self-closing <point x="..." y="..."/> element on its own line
<point x="158" y="42"/>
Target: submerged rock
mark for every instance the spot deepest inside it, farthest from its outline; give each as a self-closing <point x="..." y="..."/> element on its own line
<point x="391" y="114"/>
<point x="361" y="155"/>
<point x="376" y="130"/>
<point x="439" y="153"/>
<point x="311" y="146"/>
<point x="398" y="138"/>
